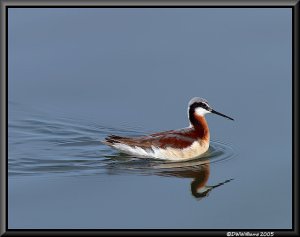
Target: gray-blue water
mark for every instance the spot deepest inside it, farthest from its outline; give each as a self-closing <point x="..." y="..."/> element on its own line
<point x="78" y="75"/>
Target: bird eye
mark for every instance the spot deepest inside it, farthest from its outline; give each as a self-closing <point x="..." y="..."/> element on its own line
<point x="204" y="106"/>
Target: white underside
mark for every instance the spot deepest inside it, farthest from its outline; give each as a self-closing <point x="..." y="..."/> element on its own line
<point x="193" y="151"/>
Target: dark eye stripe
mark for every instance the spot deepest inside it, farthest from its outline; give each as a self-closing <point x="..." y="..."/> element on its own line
<point x="203" y="105"/>
<point x="199" y="104"/>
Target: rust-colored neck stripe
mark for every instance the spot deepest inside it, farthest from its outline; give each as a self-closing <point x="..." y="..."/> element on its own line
<point x="200" y="125"/>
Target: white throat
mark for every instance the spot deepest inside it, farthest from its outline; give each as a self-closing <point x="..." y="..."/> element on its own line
<point x="200" y="111"/>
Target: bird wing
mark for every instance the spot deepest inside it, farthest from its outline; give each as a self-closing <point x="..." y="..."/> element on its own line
<point x="174" y="138"/>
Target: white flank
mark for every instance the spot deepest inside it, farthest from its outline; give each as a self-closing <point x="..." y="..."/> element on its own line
<point x="193" y="151"/>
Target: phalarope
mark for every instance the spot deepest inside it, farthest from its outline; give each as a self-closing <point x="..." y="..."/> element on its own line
<point x="180" y="144"/>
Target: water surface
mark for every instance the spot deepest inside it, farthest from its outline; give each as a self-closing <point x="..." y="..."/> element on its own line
<point x="78" y="75"/>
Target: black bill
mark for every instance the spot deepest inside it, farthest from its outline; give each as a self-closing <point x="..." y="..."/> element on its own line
<point x="223" y="115"/>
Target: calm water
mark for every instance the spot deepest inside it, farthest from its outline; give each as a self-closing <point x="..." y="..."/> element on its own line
<point x="78" y="75"/>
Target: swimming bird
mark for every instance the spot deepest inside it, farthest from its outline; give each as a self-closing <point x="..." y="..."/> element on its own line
<point x="180" y="144"/>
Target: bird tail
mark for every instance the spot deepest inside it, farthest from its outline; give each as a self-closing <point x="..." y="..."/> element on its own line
<point x="112" y="139"/>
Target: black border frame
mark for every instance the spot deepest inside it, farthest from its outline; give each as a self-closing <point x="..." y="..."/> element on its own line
<point x="6" y="4"/>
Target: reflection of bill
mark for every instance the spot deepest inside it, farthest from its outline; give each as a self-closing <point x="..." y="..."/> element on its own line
<point x="200" y="175"/>
<point x="199" y="188"/>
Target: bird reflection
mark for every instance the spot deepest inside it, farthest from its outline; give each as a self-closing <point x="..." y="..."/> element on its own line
<point x="198" y="170"/>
